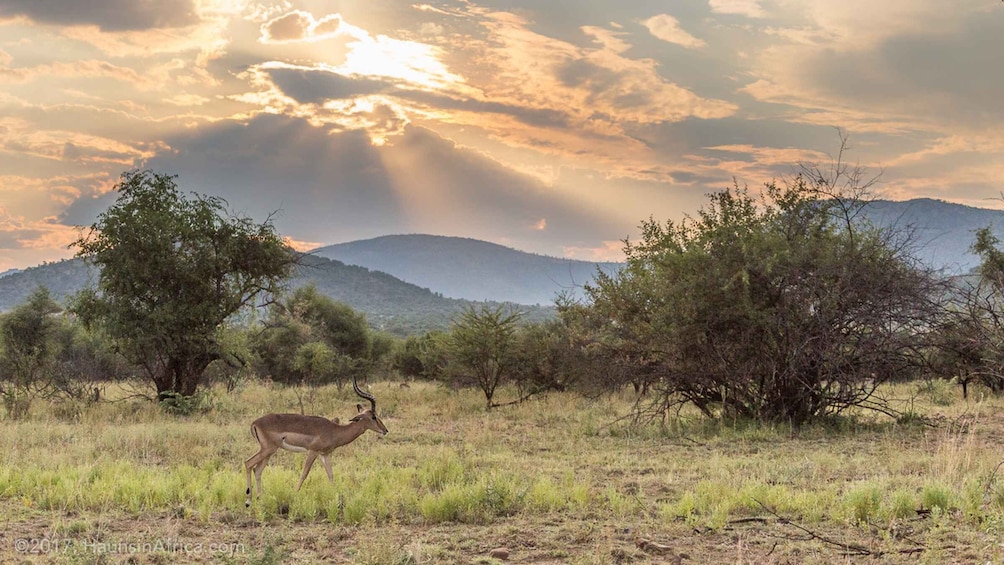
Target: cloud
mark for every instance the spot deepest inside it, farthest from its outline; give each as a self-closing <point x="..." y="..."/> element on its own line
<point x="30" y="230"/>
<point x="574" y="103"/>
<point x="318" y="85"/>
<point x="605" y="251"/>
<point x="300" y="26"/>
<point x="78" y="69"/>
<point x="748" y="8"/>
<point x="23" y="139"/>
<point x="667" y="28"/>
<point x="335" y="186"/>
<point x="108" y="15"/>
<point x="893" y="79"/>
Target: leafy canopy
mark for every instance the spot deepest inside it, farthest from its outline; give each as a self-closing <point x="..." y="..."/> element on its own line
<point x="309" y="338"/>
<point x="783" y="308"/>
<point x="173" y="269"/>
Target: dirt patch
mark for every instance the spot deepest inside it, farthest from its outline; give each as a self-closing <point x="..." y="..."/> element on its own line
<point x="170" y="537"/>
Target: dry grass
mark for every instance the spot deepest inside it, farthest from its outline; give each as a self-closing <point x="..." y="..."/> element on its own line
<point x="552" y="481"/>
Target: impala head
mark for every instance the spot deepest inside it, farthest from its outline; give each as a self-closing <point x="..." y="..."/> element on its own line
<point x="368" y="417"/>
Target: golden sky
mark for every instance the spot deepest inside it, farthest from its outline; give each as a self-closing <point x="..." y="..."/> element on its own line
<point x="551" y="126"/>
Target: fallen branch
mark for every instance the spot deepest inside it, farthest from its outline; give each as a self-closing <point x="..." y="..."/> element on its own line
<point x="848" y="549"/>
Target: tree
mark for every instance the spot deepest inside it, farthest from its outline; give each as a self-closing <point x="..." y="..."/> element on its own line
<point x="26" y="351"/>
<point x="482" y="345"/>
<point x="551" y="356"/>
<point x="174" y="268"/>
<point x="425" y="356"/>
<point x="309" y="338"/>
<point x="784" y="308"/>
<point x="971" y="344"/>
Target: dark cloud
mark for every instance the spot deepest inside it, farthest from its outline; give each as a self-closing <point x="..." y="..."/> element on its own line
<point x="947" y="77"/>
<point x="16" y="239"/>
<point x="85" y="210"/>
<point x="319" y="183"/>
<point x="109" y="15"/>
<point x="337" y="186"/>
<point x="314" y="86"/>
<point x="539" y="117"/>
<point x="289" y="27"/>
<point x="689" y="177"/>
<point x="298" y="25"/>
<point x="579" y="73"/>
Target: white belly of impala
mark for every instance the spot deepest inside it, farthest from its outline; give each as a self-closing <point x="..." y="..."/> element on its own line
<point x="295" y="448"/>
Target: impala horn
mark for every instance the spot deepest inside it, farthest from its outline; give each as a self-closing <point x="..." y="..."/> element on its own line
<point x="366" y="395"/>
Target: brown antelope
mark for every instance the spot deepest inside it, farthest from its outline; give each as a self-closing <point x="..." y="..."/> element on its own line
<point x="314" y="435"/>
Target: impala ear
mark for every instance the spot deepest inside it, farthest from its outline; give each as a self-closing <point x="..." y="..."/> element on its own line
<point x="359" y="407"/>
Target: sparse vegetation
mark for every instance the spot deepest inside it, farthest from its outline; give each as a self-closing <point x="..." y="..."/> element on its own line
<point x="549" y="479"/>
<point x="780" y="339"/>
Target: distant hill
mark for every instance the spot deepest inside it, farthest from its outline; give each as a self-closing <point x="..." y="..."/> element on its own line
<point x="389" y="304"/>
<point x="413" y="283"/>
<point x="942" y="231"/>
<point x="63" y="278"/>
<point x="469" y="268"/>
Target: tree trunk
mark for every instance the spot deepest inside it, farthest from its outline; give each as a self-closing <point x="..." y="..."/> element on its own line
<point x="181" y="376"/>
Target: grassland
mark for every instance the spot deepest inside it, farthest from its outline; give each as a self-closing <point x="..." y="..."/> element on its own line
<point x="555" y="480"/>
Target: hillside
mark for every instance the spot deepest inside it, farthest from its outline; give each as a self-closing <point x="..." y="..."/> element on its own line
<point x="943" y="231"/>
<point x="458" y="270"/>
<point x="468" y="268"/>
<point x="62" y="278"/>
<point x="389" y="304"/>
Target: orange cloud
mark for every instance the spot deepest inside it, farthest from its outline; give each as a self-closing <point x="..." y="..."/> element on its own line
<point x="667" y="28"/>
<point x="299" y="26"/>
<point x="608" y="251"/>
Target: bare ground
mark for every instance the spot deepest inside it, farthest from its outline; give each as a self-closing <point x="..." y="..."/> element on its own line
<point x="32" y="536"/>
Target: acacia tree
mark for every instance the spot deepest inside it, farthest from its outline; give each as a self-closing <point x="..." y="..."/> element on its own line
<point x="174" y="268"/>
<point x="310" y="338"/>
<point x="784" y="308"/>
<point x="482" y="345"/>
<point x="971" y="344"/>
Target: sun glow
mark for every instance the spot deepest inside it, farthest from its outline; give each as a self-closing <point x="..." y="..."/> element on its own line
<point x="416" y="64"/>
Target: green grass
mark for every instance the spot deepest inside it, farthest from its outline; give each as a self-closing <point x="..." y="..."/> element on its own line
<point x="558" y="461"/>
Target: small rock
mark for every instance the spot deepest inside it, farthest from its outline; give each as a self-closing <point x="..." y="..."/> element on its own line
<point x="499" y="553"/>
<point x="649" y="546"/>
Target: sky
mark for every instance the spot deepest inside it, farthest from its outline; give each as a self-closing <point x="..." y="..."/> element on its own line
<point x="551" y="126"/>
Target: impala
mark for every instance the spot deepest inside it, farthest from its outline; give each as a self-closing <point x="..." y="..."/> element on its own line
<point x="314" y="435"/>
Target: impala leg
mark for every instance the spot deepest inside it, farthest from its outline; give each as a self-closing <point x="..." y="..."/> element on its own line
<point x="247" y="468"/>
<point x="327" y="467"/>
<point x="259" y="468"/>
<point x="306" y="467"/>
<point x="251" y="463"/>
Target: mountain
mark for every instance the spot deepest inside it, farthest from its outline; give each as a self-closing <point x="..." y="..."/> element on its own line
<point x="468" y="268"/>
<point x="62" y="278"/>
<point x="460" y="270"/>
<point x="941" y="231"/>
<point x="389" y="304"/>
